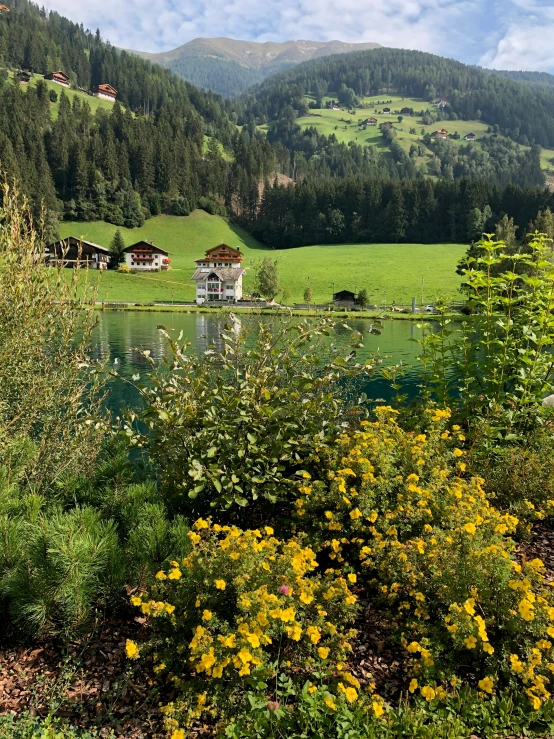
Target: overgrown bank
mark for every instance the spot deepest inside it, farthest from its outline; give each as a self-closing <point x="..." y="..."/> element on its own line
<point x="264" y="551"/>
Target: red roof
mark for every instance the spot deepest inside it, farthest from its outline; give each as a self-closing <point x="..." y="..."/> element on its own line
<point x="222" y="252"/>
<point x="105" y="89"/>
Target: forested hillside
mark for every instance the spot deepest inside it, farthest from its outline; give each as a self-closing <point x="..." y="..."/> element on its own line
<point x="523" y="113"/>
<point x="534" y="79"/>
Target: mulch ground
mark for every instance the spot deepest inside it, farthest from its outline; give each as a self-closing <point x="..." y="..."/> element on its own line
<point x="93" y="685"/>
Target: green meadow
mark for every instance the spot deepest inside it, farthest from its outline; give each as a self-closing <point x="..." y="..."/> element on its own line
<point x="389" y="272"/>
<point x="93" y="102"/>
<point x="346" y="129"/>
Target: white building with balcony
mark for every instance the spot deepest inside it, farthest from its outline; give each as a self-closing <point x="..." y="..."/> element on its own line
<point x="144" y="256"/>
<point x="218" y="275"/>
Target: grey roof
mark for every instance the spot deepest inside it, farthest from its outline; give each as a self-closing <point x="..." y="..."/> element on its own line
<point x="223" y="274"/>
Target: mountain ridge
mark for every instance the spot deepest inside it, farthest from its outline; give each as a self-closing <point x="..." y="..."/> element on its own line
<point x="230" y="66"/>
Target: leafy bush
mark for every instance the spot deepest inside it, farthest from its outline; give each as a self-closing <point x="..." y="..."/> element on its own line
<point x="240" y="423"/>
<point x="438" y="554"/>
<point x="240" y="604"/>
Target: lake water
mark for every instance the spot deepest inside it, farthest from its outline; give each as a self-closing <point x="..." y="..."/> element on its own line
<point x="121" y="334"/>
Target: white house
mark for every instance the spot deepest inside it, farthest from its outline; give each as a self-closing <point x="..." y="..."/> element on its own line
<point x="144" y="256"/>
<point x="218" y="275"/>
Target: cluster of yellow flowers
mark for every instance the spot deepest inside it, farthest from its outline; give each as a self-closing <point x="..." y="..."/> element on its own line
<point x="238" y="592"/>
<point x="431" y="542"/>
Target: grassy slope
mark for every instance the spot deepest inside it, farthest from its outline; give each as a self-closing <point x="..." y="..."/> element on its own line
<point x="326" y="120"/>
<point x="396" y="269"/>
<point x="93" y="102"/>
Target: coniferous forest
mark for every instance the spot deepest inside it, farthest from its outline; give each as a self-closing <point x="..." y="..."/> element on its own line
<point x="167" y="147"/>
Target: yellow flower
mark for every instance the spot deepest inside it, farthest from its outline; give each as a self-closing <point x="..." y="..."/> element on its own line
<point x="526" y="611"/>
<point x="287" y="614"/>
<point x="488" y="648"/>
<point x="330" y="703"/>
<point x="136" y="601"/>
<point x="312" y="689"/>
<point x="351" y="695"/>
<point x="378" y="709"/>
<point x="131" y="649"/>
<point x="486" y="684"/>
<point x="458" y="453"/>
<point x="470" y="528"/>
<point x="517" y="664"/>
<point x="253" y="640"/>
<point x="178" y="734"/>
<point x="201" y="524"/>
<point x="469" y="606"/>
<point x="161" y="575"/>
<point x="306" y="598"/>
<point x="470" y="642"/>
<point x="413" y="685"/>
<point x="356" y="513"/>
<point x="414" y="647"/>
<point x="220" y="584"/>
<point x="535" y="702"/>
<point x="352" y="578"/>
<point x="194" y="537"/>
<point x="295" y="632"/>
<point x="268" y="530"/>
<point x="206" y="615"/>
<point x="314" y="633"/>
<point x="323" y="652"/>
<point x="428" y="693"/>
<point x="175" y="574"/>
<point x="159" y="667"/>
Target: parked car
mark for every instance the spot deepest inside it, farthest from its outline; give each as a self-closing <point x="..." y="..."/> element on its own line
<point x="429" y="309"/>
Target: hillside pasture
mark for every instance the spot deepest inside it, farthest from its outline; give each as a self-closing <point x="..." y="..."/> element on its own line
<point x="346" y="128"/>
<point x="389" y="272"/>
<point x="93" y="102"/>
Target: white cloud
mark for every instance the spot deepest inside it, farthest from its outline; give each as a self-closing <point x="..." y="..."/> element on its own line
<point x="155" y="25"/>
<point x="513" y="33"/>
<point x="525" y="38"/>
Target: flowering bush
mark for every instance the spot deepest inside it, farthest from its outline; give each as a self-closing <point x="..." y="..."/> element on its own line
<point x="438" y="554"/>
<point x="242" y="605"/>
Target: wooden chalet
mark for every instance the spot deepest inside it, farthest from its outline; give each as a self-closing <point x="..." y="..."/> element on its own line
<point x="386" y="110"/>
<point x="470" y="137"/>
<point x="344" y="298"/>
<point x="145" y="256"/>
<point x="73" y="252"/>
<point x="4" y="8"/>
<point x="442" y="133"/>
<point x="406" y="111"/>
<point x="23" y="77"/>
<point x="59" y="78"/>
<point x="105" y="91"/>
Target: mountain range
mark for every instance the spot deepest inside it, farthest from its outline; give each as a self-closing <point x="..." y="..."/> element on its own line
<point x="229" y="66"/>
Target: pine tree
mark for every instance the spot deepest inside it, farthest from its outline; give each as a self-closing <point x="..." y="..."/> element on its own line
<point x="117" y="250"/>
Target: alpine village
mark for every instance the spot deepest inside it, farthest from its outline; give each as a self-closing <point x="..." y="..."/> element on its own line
<point x="276" y="370"/>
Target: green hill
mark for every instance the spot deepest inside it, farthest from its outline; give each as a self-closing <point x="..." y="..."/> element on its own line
<point x="391" y="272"/>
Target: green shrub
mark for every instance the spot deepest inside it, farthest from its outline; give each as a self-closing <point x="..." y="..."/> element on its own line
<point x="237" y="425"/>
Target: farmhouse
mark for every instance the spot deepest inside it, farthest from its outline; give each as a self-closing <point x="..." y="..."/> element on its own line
<point x="73" y="252"/>
<point x="145" y="256"/>
<point x="23" y="77"/>
<point x="386" y="110"/>
<point x="470" y="137"/>
<point x="442" y="103"/>
<point x="442" y="133"/>
<point x="406" y="111"/>
<point x="370" y="121"/>
<point x="59" y="78"/>
<point x="219" y="274"/>
<point x="106" y="92"/>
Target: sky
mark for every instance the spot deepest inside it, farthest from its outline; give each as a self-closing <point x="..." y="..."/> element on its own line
<point x="500" y="34"/>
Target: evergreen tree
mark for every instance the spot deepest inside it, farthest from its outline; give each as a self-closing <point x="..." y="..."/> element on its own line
<point x="117" y="250"/>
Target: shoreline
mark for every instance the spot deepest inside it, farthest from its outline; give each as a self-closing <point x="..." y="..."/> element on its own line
<point x="365" y="314"/>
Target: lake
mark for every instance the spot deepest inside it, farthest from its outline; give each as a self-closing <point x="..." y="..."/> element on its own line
<point x="121" y="334"/>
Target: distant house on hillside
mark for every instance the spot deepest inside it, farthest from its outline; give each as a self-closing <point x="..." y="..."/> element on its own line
<point x="406" y="111"/>
<point x="336" y="107"/>
<point x="23" y="77"/>
<point x="73" y="252"/>
<point x="59" y="78"/>
<point x="145" y="256"/>
<point x="442" y="103"/>
<point x="386" y="110"/>
<point x="442" y="133"/>
<point x="470" y="137"/>
<point x="218" y="275"/>
<point x="106" y="92"/>
<point x="4" y="9"/>
<point x="344" y="298"/>
<point x="370" y="121"/>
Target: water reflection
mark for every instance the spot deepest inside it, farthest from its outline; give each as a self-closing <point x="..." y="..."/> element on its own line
<point x="121" y="335"/>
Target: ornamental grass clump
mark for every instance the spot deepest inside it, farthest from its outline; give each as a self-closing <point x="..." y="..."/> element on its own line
<point x="242" y="606"/>
<point x="398" y="513"/>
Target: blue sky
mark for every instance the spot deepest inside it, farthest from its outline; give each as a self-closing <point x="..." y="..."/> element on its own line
<point x="505" y="34"/>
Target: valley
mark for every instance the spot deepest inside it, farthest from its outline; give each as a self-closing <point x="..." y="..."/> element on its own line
<point x="389" y="272"/>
